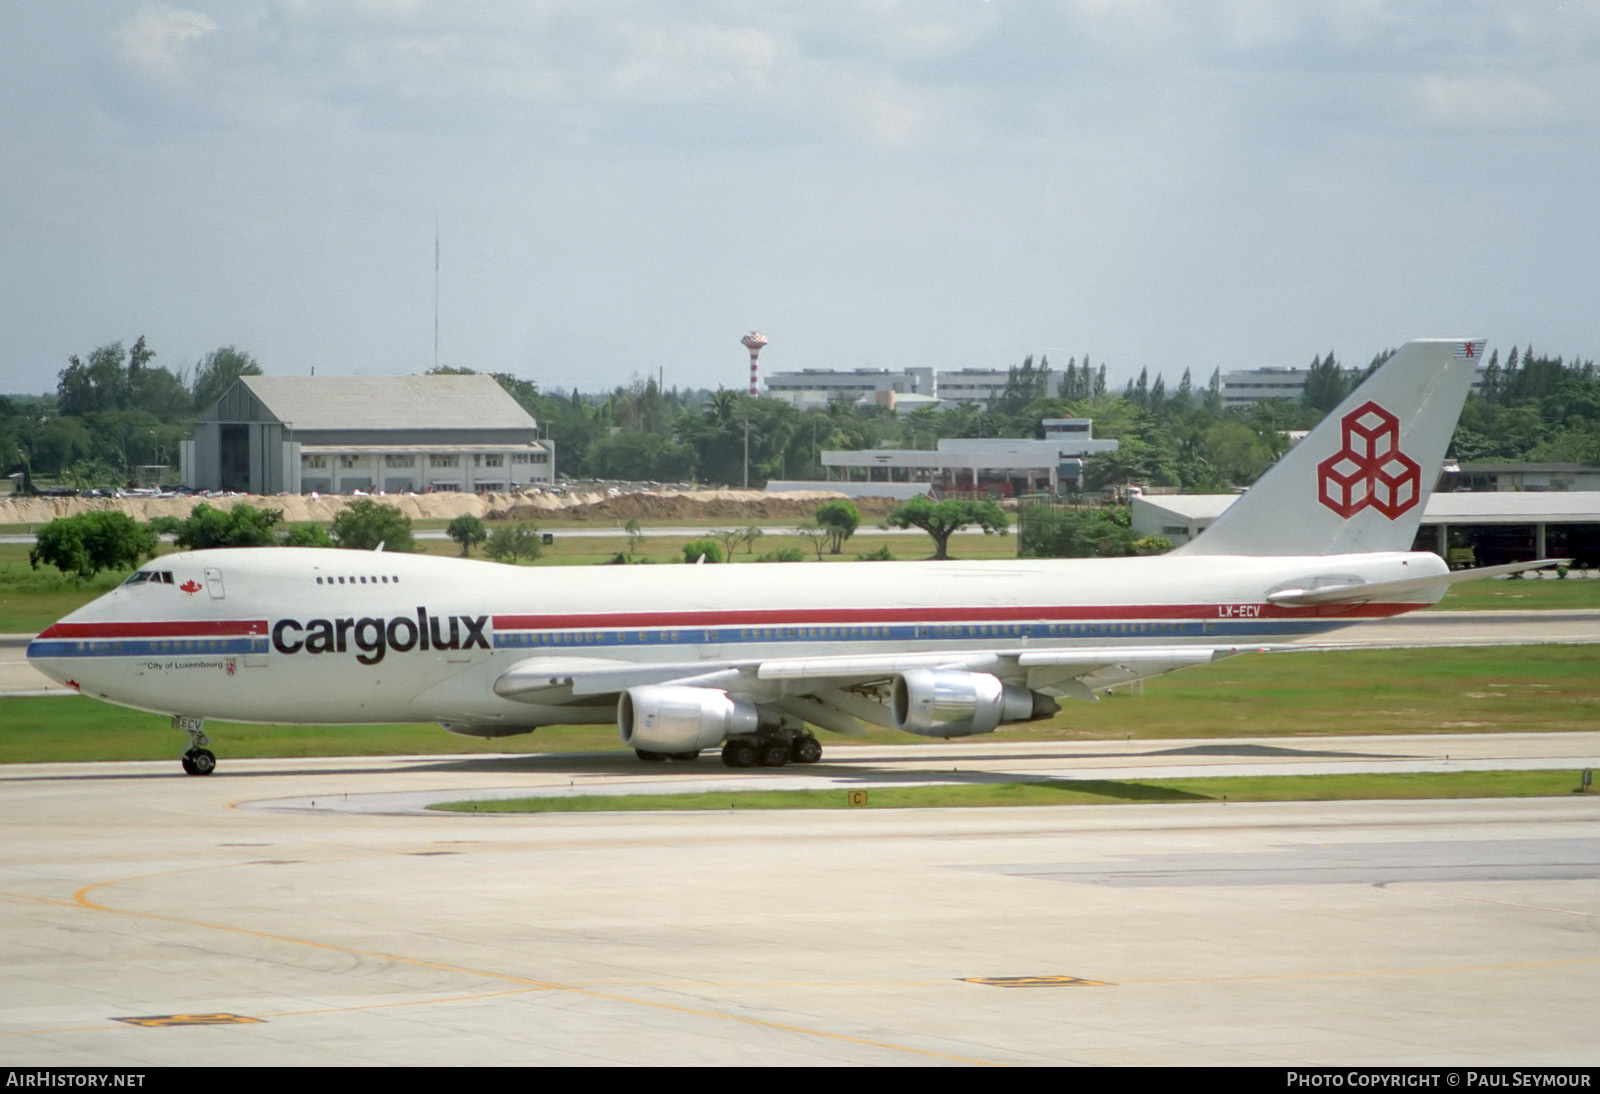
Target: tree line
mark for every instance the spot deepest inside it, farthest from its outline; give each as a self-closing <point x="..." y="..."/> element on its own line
<point x="87" y="543"/>
<point x="112" y="412"/>
<point x="117" y="409"/>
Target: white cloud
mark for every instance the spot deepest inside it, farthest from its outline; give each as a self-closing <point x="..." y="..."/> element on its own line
<point x="968" y="176"/>
<point x="156" y="38"/>
<point x="693" y="61"/>
<point x="1486" y="100"/>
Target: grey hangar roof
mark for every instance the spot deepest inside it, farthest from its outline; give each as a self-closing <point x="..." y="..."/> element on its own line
<point x="340" y="403"/>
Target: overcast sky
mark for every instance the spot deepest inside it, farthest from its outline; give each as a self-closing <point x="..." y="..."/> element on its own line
<point x="625" y="186"/>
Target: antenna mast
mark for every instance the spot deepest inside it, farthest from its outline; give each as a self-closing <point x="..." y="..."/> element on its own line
<point x="436" y="291"/>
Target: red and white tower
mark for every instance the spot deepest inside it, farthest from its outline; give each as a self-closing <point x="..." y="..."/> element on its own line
<point x="753" y="342"/>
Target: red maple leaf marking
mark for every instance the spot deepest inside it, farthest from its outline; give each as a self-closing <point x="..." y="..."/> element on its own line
<point x="1370" y="469"/>
<point x="191" y="586"/>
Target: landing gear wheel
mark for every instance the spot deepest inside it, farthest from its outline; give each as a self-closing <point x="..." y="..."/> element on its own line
<point x="739" y="754"/>
<point x="805" y="750"/>
<point x="650" y="757"/>
<point x="773" y="754"/>
<point x="199" y="761"/>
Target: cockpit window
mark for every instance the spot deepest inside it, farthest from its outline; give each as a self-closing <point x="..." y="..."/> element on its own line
<point x="160" y="577"/>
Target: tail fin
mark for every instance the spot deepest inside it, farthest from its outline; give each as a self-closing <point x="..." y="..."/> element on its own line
<point x="1360" y="480"/>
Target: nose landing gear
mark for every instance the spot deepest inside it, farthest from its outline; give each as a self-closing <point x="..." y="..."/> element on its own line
<point x="197" y="759"/>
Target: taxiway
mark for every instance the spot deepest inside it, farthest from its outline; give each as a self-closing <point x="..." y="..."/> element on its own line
<point x="285" y="913"/>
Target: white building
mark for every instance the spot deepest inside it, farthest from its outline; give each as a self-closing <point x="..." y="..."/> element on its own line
<point x="1004" y="466"/>
<point x="1247" y="387"/>
<point x="1496" y="527"/>
<point x="341" y="434"/>
<point x="813" y="387"/>
<point x="972" y="385"/>
<point x="816" y="387"/>
<point x="1536" y="477"/>
<point x="1251" y="386"/>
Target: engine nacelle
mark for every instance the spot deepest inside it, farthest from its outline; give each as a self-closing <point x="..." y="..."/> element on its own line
<point x="948" y="703"/>
<point x="673" y="718"/>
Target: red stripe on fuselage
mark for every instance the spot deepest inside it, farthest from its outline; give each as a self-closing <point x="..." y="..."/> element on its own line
<point x="199" y="628"/>
<point x="778" y="617"/>
<point x="774" y="617"/>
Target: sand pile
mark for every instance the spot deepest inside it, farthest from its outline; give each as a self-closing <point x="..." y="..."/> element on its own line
<point x="732" y="506"/>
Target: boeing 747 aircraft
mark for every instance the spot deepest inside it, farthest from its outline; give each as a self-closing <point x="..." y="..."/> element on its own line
<point x="747" y="658"/>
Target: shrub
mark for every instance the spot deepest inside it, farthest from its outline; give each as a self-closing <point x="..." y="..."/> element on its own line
<point x="468" y="531"/>
<point x="514" y="544"/>
<point x="365" y="523"/>
<point x="90" y="542"/>
<point x="709" y="549"/>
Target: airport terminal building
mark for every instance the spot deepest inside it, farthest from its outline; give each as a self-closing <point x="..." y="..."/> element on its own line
<point x="342" y="434"/>
<point x="995" y="466"/>
<point x="1465" y="528"/>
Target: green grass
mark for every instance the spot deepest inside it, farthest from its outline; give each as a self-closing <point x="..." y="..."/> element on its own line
<point x="1459" y="690"/>
<point x="72" y="728"/>
<point x="1463" y="784"/>
<point x="1490" y="689"/>
<point x="1522" y="594"/>
<point x="574" y="550"/>
<point x="31" y="600"/>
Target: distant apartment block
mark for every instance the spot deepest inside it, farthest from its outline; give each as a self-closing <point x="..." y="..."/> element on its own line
<point x="909" y="386"/>
<point x="1251" y="386"/>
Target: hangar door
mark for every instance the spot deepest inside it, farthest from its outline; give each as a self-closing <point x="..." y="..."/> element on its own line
<point x="234" y="458"/>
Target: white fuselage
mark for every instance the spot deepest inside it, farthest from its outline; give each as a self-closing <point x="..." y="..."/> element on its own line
<point x="326" y="636"/>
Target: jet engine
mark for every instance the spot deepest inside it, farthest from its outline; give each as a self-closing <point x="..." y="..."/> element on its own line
<point x="669" y="718"/>
<point x="948" y="703"/>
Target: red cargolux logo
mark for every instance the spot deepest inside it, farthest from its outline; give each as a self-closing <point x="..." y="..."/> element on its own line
<point x="191" y="586"/>
<point x="1370" y="469"/>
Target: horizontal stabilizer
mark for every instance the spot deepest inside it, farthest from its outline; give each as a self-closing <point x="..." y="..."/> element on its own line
<point x="1373" y="590"/>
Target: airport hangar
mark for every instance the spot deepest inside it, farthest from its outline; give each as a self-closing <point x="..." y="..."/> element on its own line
<point x="1497" y="527"/>
<point x="341" y="434"/>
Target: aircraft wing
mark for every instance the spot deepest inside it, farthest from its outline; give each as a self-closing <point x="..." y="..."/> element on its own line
<point x="839" y="692"/>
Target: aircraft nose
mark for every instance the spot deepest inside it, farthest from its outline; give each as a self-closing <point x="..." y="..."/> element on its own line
<point x="44" y="655"/>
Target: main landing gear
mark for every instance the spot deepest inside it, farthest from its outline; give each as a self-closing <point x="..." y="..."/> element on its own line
<point x="197" y="759"/>
<point x="772" y="750"/>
